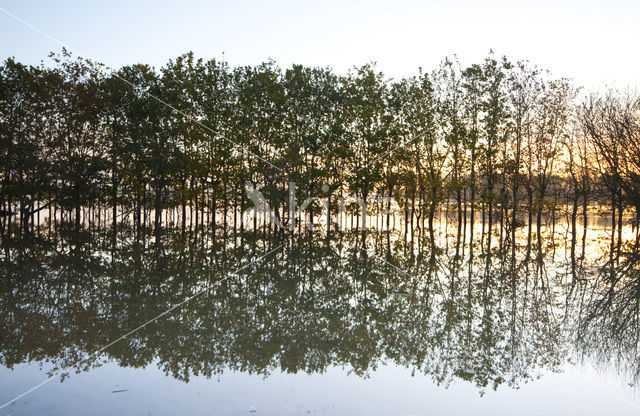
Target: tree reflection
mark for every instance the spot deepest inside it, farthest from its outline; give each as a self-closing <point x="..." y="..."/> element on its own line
<point x="609" y="327"/>
<point x="452" y="312"/>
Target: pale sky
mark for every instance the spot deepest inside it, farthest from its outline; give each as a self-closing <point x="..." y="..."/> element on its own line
<point x="593" y="42"/>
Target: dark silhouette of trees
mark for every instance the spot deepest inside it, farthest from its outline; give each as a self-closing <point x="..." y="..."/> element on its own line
<point x="178" y="145"/>
<point x="611" y="123"/>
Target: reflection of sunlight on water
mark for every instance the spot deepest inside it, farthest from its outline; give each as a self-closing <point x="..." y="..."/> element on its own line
<point x="559" y="226"/>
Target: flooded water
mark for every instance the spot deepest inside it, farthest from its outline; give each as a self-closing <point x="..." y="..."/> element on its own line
<point x="181" y="322"/>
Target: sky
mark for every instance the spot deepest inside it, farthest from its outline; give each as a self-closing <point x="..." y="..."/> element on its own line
<point x="592" y="42"/>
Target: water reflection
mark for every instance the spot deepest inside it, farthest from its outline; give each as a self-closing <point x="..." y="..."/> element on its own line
<point x="452" y="311"/>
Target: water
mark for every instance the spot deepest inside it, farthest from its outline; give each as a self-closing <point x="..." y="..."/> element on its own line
<point x="261" y="324"/>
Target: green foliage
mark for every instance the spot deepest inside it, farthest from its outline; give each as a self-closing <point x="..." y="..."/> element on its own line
<point x="199" y="130"/>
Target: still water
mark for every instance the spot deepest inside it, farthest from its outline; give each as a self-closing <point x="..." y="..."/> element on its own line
<point x="181" y="322"/>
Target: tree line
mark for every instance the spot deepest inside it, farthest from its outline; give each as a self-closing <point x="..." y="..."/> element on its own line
<point x="504" y="140"/>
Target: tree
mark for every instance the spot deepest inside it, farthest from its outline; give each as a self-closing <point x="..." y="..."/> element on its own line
<point x="27" y="149"/>
<point x="366" y="127"/>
